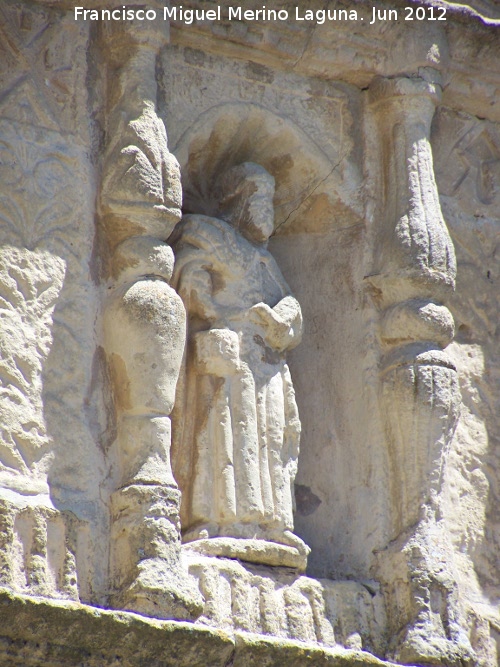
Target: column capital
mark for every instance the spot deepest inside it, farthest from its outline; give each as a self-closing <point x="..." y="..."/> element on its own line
<point x="405" y="87"/>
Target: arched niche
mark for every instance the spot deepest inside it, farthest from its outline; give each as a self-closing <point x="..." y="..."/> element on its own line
<point x="308" y="183"/>
<point x="320" y="248"/>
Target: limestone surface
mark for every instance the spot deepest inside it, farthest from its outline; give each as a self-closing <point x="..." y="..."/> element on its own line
<point x="211" y="227"/>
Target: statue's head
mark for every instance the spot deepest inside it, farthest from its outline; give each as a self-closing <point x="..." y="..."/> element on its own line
<point x="245" y="199"/>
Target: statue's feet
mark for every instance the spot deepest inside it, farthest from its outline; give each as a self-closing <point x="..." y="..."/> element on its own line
<point x="278" y="548"/>
<point x="159" y="593"/>
<point x="288" y="538"/>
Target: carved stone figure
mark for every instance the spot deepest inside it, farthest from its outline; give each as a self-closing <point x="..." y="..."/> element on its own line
<point x="238" y="436"/>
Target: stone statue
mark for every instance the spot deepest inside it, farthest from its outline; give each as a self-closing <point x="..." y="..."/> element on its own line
<point x="238" y="432"/>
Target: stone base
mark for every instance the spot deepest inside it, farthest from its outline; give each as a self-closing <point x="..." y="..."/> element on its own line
<point x="40" y="547"/>
<point x="422" y="646"/>
<point x="251" y="551"/>
<point x="36" y="632"/>
<point x="158" y="593"/>
<point x="278" y="602"/>
<point x="146" y="571"/>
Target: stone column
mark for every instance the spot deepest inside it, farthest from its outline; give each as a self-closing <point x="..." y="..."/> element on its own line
<point x="414" y="271"/>
<point x="144" y="331"/>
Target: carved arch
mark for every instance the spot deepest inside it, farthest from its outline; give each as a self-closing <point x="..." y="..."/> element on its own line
<point x="308" y="185"/>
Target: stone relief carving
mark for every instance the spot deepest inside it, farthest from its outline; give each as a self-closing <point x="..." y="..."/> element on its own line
<point x="27" y="304"/>
<point x="419" y="393"/>
<point x="40" y="74"/>
<point x="461" y="142"/>
<point x="238" y="429"/>
<point x="144" y="326"/>
<point x="235" y="426"/>
<point x="34" y="263"/>
<point x="38" y="543"/>
<point x="144" y="336"/>
<point x="39" y="212"/>
<point x="278" y="602"/>
<point x="468" y="163"/>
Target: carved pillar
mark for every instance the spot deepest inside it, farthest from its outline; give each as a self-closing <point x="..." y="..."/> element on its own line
<point x="419" y="394"/>
<point x="144" y="332"/>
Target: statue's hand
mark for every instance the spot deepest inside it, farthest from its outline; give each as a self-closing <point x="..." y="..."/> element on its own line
<point x="264" y="315"/>
<point x="277" y="332"/>
<point x="216" y="352"/>
<point x="261" y="313"/>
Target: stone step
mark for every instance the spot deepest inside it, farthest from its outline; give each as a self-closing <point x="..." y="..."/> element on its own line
<point x="279" y="602"/>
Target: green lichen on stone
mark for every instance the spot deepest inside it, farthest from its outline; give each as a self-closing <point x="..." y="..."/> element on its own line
<point x="36" y="631"/>
<point x="259" y="651"/>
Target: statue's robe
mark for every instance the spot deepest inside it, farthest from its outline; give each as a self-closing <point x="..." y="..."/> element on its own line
<point x="236" y="424"/>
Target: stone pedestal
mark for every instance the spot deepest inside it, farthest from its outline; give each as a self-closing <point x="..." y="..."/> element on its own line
<point x="278" y="602"/>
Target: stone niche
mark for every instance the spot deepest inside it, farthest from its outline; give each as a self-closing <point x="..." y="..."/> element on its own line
<point x="249" y="372"/>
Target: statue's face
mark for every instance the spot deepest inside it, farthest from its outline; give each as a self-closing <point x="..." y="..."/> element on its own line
<point x="259" y="214"/>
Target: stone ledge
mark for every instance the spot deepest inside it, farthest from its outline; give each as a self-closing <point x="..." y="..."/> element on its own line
<point x="258" y="651"/>
<point x="36" y="631"/>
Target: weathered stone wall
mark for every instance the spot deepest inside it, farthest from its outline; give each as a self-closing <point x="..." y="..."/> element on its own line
<point x="384" y="143"/>
<point x="53" y="413"/>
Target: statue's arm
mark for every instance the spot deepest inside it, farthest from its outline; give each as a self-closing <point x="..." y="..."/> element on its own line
<point x="282" y="323"/>
<point x="288" y="311"/>
<point x="216" y="350"/>
<point x="195" y="289"/>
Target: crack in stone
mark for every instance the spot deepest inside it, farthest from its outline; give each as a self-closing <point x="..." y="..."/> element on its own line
<point x="335" y="166"/>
